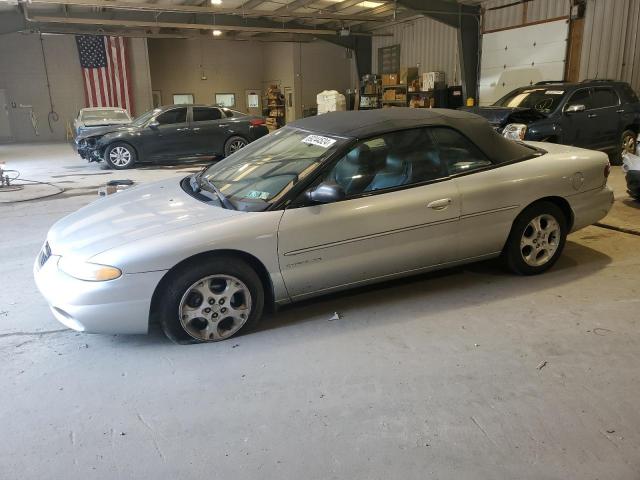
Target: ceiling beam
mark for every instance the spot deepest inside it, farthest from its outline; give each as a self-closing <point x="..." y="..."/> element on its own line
<point x="251" y="4"/>
<point x="272" y="28"/>
<point x="282" y="12"/>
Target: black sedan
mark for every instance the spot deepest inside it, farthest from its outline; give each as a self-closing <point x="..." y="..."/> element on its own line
<point x="172" y="133"/>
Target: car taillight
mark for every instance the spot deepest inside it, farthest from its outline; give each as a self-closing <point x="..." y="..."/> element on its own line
<point x="256" y="121"/>
<point x="607" y="170"/>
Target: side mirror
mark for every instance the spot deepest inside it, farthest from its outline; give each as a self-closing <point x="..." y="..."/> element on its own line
<point x="326" y="193"/>
<point x="154" y="125"/>
<point x="575" y="108"/>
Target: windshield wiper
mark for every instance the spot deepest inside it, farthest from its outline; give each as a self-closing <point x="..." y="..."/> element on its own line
<point x="210" y="185"/>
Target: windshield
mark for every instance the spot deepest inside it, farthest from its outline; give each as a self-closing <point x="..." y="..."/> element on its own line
<point x="544" y="100"/>
<point x="104" y="115"/>
<point x="262" y="172"/>
<point x="144" y="118"/>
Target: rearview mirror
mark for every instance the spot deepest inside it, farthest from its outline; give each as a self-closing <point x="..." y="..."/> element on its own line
<point x="575" y="108"/>
<point x="154" y="125"/>
<point x="326" y="193"/>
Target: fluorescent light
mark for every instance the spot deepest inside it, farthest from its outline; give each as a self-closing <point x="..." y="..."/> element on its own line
<point x="216" y="2"/>
<point x="216" y="33"/>
<point x="368" y="4"/>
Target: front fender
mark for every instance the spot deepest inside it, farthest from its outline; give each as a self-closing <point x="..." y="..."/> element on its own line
<point x="543" y="131"/>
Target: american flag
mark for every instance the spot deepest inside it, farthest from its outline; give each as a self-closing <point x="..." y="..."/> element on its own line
<point x="106" y="71"/>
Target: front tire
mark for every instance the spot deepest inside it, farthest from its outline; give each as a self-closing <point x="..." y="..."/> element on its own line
<point x="120" y="156"/>
<point x="211" y="301"/>
<point x="233" y="145"/>
<point x="536" y="240"/>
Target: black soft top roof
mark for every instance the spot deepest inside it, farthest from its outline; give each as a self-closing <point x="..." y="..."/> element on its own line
<point x="367" y="123"/>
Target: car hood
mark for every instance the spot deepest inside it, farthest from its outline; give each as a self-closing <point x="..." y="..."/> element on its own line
<point x="102" y="123"/>
<point x="99" y="131"/>
<point x="501" y="116"/>
<point x="130" y="215"/>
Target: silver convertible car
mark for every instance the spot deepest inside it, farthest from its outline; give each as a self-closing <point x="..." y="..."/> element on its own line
<point x="325" y="204"/>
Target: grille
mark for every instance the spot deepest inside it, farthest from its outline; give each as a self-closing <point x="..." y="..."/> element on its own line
<point x="45" y="253"/>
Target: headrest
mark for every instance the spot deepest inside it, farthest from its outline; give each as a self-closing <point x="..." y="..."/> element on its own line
<point x="359" y="156"/>
<point x="396" y="163"/>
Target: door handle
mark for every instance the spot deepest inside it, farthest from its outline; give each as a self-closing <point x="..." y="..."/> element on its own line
<point x="439" y="204"/>
<point x="223" y="125"/>
<point x="620" y="111"/>
<point x="196" y="129"/>
<point x="592" y="115"/>
<point x="182" y="129"/>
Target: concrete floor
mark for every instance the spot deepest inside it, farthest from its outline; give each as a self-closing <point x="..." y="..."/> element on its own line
<point x="432" y="377"/>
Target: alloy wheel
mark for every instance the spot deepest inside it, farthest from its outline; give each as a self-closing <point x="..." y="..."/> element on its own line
<point x="540" y="240"/>
<point x="215" y="307"/>
<point x="120" y="156"/>
<point x="236" y="145"/>
<point x="629" y="144"/>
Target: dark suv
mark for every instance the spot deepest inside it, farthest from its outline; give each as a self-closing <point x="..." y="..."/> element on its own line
<point x="595" y="114"/>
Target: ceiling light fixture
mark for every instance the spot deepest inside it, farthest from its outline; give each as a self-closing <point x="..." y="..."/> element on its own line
<point x="216" y="2"/>
<point x="367" y="4"/>
<point x="216" y="33"/>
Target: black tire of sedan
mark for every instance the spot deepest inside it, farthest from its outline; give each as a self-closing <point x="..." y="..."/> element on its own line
<point x="120" y="156"/>
<point x="628" y="141"/>
<point x="212" y="300"/>
<point x="233" y="144"/>
<point x="536" y="240"/>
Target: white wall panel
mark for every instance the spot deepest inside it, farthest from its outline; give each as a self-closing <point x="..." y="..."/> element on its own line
<point x="521" y="56"/>
<point x="431" y="45"/>
<point x="514" y="15"/>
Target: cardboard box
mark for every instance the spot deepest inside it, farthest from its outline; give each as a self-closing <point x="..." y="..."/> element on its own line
<point x="389" y="79"/>
<point x="389" y="94"/>
<point x="401" y="97"/>
<point x="432" y="80"/>
<point x="408" y="75"/>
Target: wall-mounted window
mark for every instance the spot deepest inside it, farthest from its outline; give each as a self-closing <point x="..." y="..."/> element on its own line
<point x="182" y="98"/>
<point x="253" y="100"/>
<point x="226" y="100"/>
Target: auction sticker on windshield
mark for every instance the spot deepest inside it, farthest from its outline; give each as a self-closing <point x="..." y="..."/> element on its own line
<point x="554" y="92"/>
<point x="319" y="140"/>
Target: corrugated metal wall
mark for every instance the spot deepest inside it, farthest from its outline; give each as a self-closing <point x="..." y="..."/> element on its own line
<point x="514" y="15"/>
<point x="425" y="42"/>
<point x="610" y="47"/>
<point x="610" y="43"/>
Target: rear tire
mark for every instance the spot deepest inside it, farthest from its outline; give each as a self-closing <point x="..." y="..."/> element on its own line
<point x="211" y="300"/>
<point x="120" y="156"/>
<point x="234" y="144"/>
<point x="536" y="240"/>
<point x="628" y="141"/>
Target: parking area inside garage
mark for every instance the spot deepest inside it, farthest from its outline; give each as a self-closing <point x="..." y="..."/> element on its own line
<point x="396" y="248"/>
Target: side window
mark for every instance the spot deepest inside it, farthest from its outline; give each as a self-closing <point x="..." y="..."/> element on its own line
<point x="177" y="115"/>
<point x="604" y="97"/>
<point x="388" y="161"/>
<point x="202" y="114"/>
<point x="456" y="152"/>
<point x="581" y="97"/>
<point x="628" y="94"/>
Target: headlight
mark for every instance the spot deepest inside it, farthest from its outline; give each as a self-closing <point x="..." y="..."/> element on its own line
<point x="515" y="131"/>
<point x="91" y="272"/>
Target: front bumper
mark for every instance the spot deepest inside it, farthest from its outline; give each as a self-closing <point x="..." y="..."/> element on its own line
<point x="88" y="151"/>
<point x="116" y="306"/>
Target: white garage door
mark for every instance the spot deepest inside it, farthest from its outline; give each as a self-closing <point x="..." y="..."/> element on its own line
<point x="522" y="56"/>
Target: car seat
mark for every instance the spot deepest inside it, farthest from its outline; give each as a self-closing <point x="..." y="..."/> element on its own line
<point x="356" y="170"/>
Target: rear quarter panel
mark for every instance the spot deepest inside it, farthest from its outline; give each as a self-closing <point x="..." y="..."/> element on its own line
<point x="492" y="199"/>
